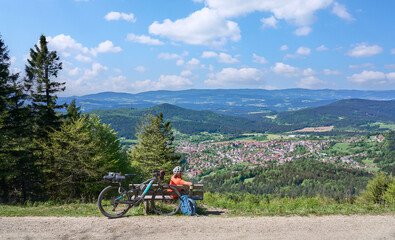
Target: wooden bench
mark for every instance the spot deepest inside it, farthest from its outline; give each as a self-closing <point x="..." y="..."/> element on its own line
<point x="195" y="191"/>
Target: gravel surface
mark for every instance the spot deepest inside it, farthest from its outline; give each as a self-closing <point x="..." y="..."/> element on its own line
<point x="187" y="227"/>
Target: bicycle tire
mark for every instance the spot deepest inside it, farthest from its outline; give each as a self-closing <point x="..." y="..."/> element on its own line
<point x="166" y="206"/>
<point x="108" y="201"/>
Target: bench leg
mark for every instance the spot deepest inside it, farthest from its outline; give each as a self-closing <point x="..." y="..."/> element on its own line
<point x="146" y="207"/>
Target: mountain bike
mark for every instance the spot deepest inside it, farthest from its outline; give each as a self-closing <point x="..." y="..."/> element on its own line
<point x="115" y="200"/>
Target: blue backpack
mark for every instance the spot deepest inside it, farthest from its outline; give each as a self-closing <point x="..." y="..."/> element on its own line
<point x="188" y="205"/>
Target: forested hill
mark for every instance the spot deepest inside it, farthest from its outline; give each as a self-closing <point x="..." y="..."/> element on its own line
<point x="226" y="101"/>
<point x="342" y="113"/>
<point x="125" y="120"/>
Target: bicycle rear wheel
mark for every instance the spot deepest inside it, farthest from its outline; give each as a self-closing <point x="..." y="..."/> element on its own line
<point x="165" y="204"/>
<point x="112" y="201"/>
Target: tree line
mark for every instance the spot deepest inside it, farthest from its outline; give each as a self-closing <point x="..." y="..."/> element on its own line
<point x="49" y="155"/>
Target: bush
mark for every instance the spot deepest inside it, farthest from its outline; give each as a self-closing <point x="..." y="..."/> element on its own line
<point x="380" y="190"/>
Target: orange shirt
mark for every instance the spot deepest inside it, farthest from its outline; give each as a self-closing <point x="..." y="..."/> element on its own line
<point x="176" y="180"/>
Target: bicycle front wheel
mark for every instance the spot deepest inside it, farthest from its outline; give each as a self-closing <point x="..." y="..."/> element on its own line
<point x="113" y="201"/>
<point x="165" y="204"/>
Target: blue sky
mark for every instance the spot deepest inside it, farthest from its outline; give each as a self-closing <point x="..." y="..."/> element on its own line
<point x="134" y="46"/>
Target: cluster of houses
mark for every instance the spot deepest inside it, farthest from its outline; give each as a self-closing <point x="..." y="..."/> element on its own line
<point x="254" y="153"/>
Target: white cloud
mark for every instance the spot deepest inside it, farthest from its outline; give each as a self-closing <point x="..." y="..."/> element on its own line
<point x="393" y="51"/>
<point x="143" y="39"/>
<point x="141" y="69"/>
<point x="82" y="58"/>
<point x="221" y="57"/>
<point x="370" y="77"/>
<point x="259" y="59"/>
<point x="65" y="43"/>
<point x="97" y="68"/>
<point x="391" y="76"/>
<point x="233" y="76"/>
<point x="363" y="50"/>
<point x="186" y="73"/>
<point x="311" y="82"/>
<point x="74" y="71"/>
<point x="209" y="54"/>
<point x="285" y="70"/>
<point x="118" y="15"/>
<point x="165" y="82"/>
<point x="169" y="56"/>
<point x="284" y="48"/>
<point x="303" y="51"/>
<point x="332" y="72"/>
<point x="309" y="72"/>
<point x="105" y="47"/>
<point x="180" y="62"/>
<point x="366" y="65"/>
<point x="341" y="11"/>
<point x="269" y="22"/>
<point x="303" y="31"/>
<point x="389" y="66"/>
<point x="203" y="27"/>
<point x="321" y="48"/>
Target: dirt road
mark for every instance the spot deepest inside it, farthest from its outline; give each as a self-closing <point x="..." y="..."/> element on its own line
<point x="212" y="227"/>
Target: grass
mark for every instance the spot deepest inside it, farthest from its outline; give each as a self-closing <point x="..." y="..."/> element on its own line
<point x="58" y="210"/>
<point x="236" y="205"/>
<point x="251" y="205"/>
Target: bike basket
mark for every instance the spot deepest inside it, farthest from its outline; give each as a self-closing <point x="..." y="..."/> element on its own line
<point x="114" y="177"/>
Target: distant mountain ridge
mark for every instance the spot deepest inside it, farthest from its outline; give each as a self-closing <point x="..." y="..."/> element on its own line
<point x="348" y="112"/>
<point x="237" y="102"/>
<point x="125" y="120"/>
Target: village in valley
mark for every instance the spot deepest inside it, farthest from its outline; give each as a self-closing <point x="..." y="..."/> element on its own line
<point x="206" y="155"/>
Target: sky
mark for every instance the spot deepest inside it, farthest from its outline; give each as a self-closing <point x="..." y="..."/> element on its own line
<point x="147" y="45"/>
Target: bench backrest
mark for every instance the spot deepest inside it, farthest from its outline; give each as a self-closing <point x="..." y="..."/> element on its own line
<point x="195" y="191"/>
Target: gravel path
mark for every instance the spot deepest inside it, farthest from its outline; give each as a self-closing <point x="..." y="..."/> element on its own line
<point x="212" y="227"/>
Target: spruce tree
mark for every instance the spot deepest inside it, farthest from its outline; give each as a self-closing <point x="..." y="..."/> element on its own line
<point x="18" y="171"/>
<point x="41" y="73"/>
<point x="155" y="149"/>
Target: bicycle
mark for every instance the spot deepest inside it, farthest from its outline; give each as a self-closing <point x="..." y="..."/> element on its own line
<point x="115" y="201"/>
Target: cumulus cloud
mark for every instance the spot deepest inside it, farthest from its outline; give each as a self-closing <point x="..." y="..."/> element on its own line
<point x="303" y="31"/>
<point x="83" y="58"/>
<point x="303" y="51"/>
<point x="111" y="16"/>
<point x="311" y="82"/>
<point x="364" y="50"/>
<point x="67" y="45"/>
<point x="221" y="57"/>
<point x="143" y="39"/>
<point x="169" y="56"/>
<point x="285" y="70"/>
<point x="341" y="11"/>
<point x="97" y="68"/>
<point x="371" y="77"/>
<point x="233" y="76"/>
<point x="300" y="52"/>
<point x="329" y="72"/>
<point x="74" y="71"/>
<point x="321" y="48"/>
<point x="259" y="59"/>
<point x="106" y="47"/>
<point x="203" y="27"/>
<point x="393" y="51"/>
<point x="284" y="48"/>
<point x="141" y="69"/>
<point x="365" y="65"/>
<point x="269" y="22"/>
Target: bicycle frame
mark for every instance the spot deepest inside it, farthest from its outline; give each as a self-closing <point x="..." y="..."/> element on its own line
<point x="138" y="198"/>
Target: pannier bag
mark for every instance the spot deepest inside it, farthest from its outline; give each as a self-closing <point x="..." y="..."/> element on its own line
<point x="114" y="177"/>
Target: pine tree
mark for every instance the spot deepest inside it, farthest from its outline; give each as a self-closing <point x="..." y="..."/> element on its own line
<point x="155" y="149"/>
